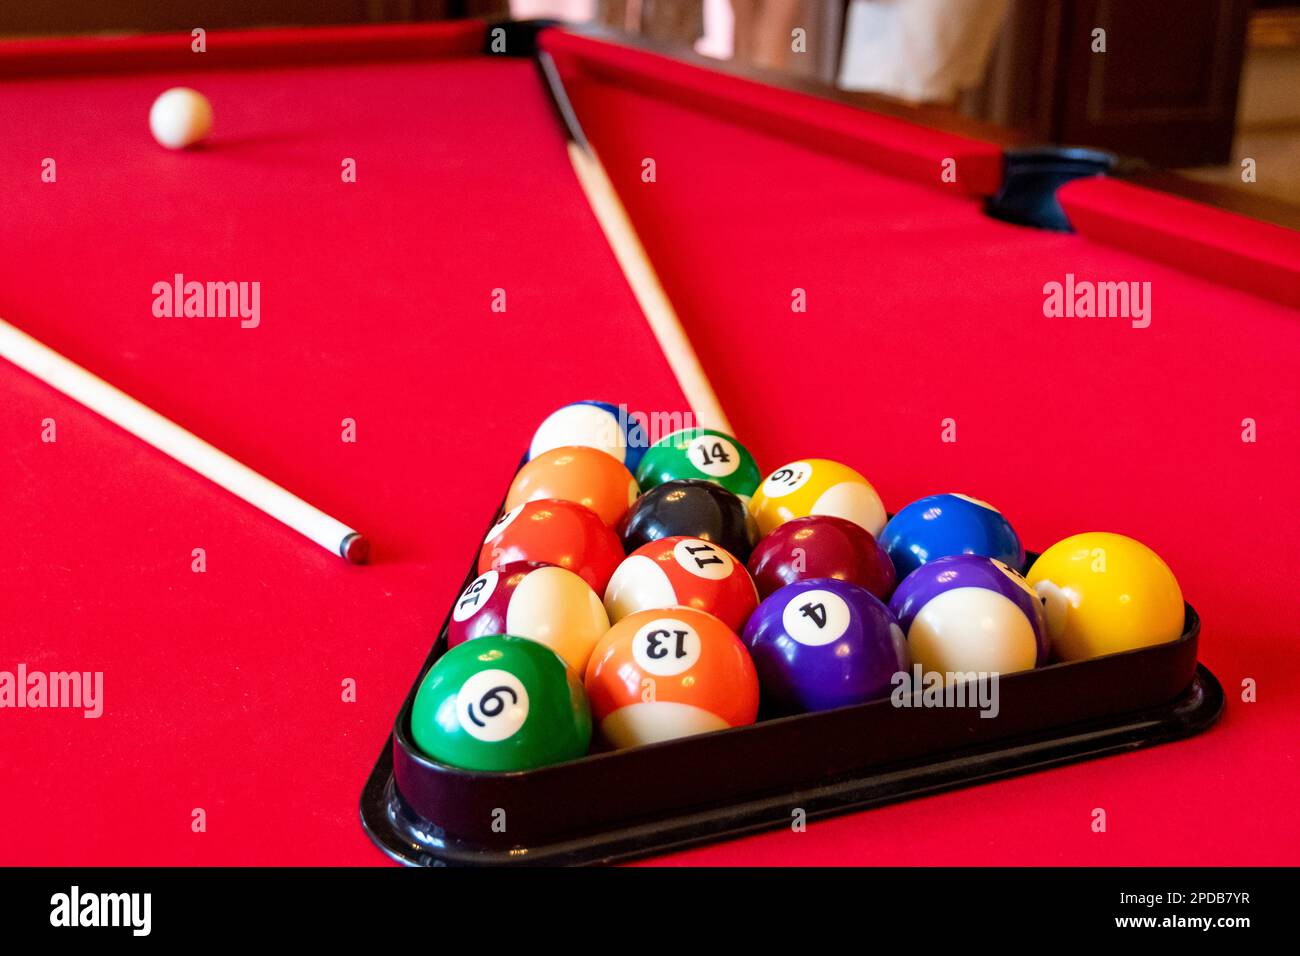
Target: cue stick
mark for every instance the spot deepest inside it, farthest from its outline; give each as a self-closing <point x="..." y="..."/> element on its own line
<point x="632" y="258"/>
<point x="168" y="437"/>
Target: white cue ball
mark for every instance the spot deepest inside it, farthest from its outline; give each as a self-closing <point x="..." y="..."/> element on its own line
<point x="180" y="117"/>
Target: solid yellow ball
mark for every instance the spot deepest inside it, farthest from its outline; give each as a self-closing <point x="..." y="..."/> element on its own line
<point x="1105" y="593"/>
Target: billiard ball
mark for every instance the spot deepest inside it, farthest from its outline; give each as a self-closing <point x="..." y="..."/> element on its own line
<point x="937" y="526"/>
<point x="821" y="546"/>
<point x="701" y="453"/>
<point x="692" y="508"/>
<point x="687" y="572"/>
<point x="501" y="702"/>
<point x="823" y="643"/>
<point x="595" y="424"/>
<point x="662" y="674"/>
<point x="967" y="613"/>
<point x="576" y="473"/>
<point x="816" y="486"/>
<point x="549" y="605"/>
<point x="1104" y="593"/>
<point x="180" y="117"/>
<point x="562" y="533"/>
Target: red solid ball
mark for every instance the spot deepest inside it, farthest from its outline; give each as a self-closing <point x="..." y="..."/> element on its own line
<point x="551" y="531"/>
<point x="821" y="546"/>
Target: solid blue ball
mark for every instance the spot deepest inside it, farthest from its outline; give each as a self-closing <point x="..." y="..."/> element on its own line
<point x="938" y="526"/>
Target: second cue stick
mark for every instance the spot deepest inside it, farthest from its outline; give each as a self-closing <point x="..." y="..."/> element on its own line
<point x="634" y="262"/>
<point x="168" y="437"/>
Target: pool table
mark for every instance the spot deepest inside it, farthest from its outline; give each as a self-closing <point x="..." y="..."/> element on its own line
<point x="380" y="305"/>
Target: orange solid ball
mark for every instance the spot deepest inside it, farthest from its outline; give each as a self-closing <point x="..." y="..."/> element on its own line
<point x="586" y="476"/>
<point x="662" y="674"/>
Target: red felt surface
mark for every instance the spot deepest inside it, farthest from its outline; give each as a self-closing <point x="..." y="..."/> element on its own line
<point x="921" y="309"/>
<point x="222" y="690"/>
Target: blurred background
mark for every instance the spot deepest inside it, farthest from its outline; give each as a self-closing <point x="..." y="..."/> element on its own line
<point x="1189" y="86"/>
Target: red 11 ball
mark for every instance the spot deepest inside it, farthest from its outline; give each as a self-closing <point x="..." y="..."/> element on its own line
<point x="821" y="546"/>
<point x="682" y="572"/>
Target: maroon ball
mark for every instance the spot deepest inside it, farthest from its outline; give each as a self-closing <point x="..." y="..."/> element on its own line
<point x="821" y="546"/>
<point x="481" y="608"/>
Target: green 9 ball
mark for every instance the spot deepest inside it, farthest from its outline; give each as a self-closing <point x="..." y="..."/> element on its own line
<point x="703" y="454"/>
<point x="501" y="703"/>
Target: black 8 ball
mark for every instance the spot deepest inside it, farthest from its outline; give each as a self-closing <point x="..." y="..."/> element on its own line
<point x="698" y="509"/>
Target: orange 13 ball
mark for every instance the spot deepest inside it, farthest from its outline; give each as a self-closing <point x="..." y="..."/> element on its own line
<point x="587" y="476"/>
<point x="662" y="674"/>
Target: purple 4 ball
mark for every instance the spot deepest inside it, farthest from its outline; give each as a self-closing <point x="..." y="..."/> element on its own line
<point x="824" y="643"/>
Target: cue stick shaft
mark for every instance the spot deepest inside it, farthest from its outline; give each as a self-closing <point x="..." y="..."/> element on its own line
<point x="168" y="437"/>
<point x="647" y="288"/>
<point x="632" y="259"/>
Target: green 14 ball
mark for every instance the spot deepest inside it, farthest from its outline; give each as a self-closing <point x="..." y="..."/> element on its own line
<point x="700" y="453"/>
